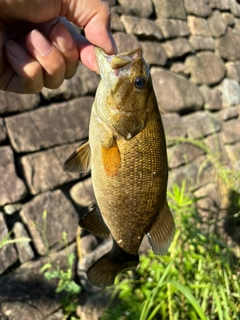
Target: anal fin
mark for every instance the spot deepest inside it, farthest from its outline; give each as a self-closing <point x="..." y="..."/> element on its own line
<point x="80" y="160"/>
<point x="93" y="222"/>
<point x="162" y="232"/>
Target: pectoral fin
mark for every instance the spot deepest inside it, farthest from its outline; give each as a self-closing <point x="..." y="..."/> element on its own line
<point x="94" y="223"/>
<point x="111" y="159"/>
<point x="161" y="234"/>
<point x="80" y="160"/>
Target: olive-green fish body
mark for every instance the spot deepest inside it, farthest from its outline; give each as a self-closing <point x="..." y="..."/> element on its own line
<point x="127" y="156"/>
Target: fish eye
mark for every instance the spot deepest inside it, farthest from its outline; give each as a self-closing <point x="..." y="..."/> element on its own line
<point x="140" y="82"/>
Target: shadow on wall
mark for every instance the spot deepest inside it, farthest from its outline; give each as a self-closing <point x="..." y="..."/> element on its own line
<point x="232" y="222"/>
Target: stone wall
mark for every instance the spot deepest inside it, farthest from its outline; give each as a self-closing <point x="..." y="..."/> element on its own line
<point x="193" y="49"/>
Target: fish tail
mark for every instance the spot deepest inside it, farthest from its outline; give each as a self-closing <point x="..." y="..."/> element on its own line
<point x="103" y="272"/>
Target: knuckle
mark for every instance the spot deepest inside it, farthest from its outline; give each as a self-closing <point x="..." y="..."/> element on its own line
<point x="33" y="82"/>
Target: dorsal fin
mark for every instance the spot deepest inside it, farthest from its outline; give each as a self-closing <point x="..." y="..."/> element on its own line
<point x="80" y="160"/>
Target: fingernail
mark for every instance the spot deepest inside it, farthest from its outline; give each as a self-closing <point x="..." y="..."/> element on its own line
<point x="40" y="43"/>
<point x="62" y="37"/>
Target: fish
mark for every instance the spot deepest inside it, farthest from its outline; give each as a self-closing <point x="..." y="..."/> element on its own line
<point x="126" y="153"/>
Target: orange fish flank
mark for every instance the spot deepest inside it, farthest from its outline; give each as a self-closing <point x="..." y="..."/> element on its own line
<point x="111" y="160"/>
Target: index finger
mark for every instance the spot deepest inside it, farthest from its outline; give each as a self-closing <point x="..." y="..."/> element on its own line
<point x="98" y="30"/>
<point x="94" y="16"/>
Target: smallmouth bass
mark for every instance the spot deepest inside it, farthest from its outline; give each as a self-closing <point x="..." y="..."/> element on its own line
<point x="126" y="153"/>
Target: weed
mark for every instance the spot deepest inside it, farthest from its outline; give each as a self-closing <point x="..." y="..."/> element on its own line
<point x="7" y="240"/>
<point x="198" y="279"/>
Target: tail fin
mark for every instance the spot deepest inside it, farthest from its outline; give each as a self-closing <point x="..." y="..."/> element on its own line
<point x="103" y="272"/>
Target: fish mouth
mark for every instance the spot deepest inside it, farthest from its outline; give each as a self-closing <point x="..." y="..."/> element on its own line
<point x="119" y="60"/>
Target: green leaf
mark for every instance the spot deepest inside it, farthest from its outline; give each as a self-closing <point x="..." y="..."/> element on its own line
<point x="187" y="293"/>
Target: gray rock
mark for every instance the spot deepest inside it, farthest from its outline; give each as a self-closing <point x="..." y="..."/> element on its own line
<point x="228" y="113"/>
<point x="217" y="24"/>
<point x="173" y="127"/>
<point x="205" y="91"/>
<point x="196" y="174"/>
<point x="12" y="188"/>
<point x="216" y="148"/>
<point x="83" y="83"/>
<point x="8" y="254"/>
<point x="61" y="216"/>
<point x="44" y="170"/>
<point x="141" y="27"/>
<point x="234" y="7"/>
<point x="125" y="42"/>
<point x="233" y="151"/>
<point x="236" y="27"/>
<point x="12" y="208"/>
<point x="233" y="70"/>
<point x="212" y="97"/>
<point x="175" y="93"/>
<point x="198" y="26"/>
<point x="50" y="126"/>
<point x="182" y="153"/>
<point x="230" y="91"/>
<point x="205" y="174"/>
<point x="56" y="316"/>
<point x="201" y="68"/>
<point x="228" y="18"/>
<point x="88" y="260"/>
<point x="200" y="43"/>
<point x="26" y="294"/>
<point x="198" y="8"/>
<point x="214" y="102"/>
<point x="111" y="3"/>
<point x="144" y="246"/>
<point x="153" y="53"/>
<point x="209" y="203"/>
<point x="180" y="68"/>
<point x="82" y="193"/>
<point x="170" y="9"/>
<point x="23" y="246"/>
<point x="116" y="23"/>
<point x="172" y="28"/>
<point x="3" y="133"/>
<point x="200" y="124"/>
<point x="13" y="102"/>
<point x="94" y="306"/>
<point x="227" y="46"/>
<point x="231" y="131"/>
<point x="87" y="244"/>
<point x="219" y="4"/>
<point x="143" y="9"/>
<point x="177" y="48"/>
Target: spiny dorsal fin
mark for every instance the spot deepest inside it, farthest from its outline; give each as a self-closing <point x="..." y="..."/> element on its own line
<point x="80" y="160"/>
<point x="162" y="232"/>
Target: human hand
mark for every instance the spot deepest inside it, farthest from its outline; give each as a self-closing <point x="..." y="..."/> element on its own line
<point x="39" y="47"/>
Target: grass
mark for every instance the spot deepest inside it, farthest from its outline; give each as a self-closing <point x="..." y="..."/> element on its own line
<point x="198" y="279"/>
<point x="8" y="240"/>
